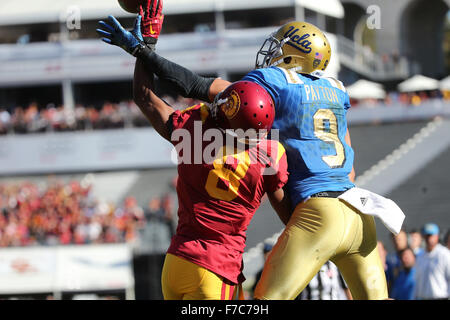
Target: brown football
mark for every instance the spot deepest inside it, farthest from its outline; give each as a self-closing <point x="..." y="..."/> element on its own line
<point x="131" y="6"/>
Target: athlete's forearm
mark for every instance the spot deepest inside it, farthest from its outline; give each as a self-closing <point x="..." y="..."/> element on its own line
<point x="216" y="87"/>
<point x="352" y="175"/>
<point x="185" y="82"/>
<point x="281" y="204"/>
<point x="155" y="109"/>
<point x="348" y="140"/>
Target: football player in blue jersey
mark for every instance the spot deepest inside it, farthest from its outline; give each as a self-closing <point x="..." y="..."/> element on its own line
<point x="311" y="119"/>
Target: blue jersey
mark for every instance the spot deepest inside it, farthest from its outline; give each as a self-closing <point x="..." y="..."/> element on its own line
<point x="404" y="285"/>
<point x="311" y="118"/>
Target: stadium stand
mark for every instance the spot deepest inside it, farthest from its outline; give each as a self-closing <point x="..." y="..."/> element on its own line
<point x="424" y="196"/>
<point x="373" y="143"/>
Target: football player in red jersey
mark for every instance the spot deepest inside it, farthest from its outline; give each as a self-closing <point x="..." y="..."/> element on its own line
<point x="216" y="199"/>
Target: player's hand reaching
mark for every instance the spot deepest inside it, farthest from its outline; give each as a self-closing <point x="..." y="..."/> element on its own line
<point x="113" y="33"/>
<point x="152" y="20"/>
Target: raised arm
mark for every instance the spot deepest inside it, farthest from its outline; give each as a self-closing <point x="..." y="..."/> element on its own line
<point x="155" y="109"/>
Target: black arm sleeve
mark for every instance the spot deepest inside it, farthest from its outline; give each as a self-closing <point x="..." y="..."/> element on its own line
<point x="186" y="83"/>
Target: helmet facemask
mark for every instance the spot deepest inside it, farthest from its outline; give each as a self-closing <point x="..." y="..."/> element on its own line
<point x="270" y="49"/>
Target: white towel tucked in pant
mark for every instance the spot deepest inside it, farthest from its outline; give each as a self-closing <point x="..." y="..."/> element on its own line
<point x="370" y="203"/>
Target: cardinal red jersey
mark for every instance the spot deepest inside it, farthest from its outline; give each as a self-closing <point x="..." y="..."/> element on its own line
<point x="217" y="198"/>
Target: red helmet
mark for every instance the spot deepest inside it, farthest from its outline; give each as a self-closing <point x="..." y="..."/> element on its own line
<point x="244" y="105"/>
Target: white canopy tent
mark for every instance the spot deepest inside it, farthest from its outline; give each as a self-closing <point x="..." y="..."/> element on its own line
<point x="331" y="8"/>
<point x="445" y="84"/>
<point x="364" y="89"/>
<point x="418" y="83"/>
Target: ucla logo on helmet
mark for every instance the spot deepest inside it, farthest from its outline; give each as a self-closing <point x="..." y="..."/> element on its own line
<point x="299" y="42"/>
<point x="232" y="106"/>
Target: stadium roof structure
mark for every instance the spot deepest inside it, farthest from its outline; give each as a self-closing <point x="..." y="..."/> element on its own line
<point x="50" y="11"/>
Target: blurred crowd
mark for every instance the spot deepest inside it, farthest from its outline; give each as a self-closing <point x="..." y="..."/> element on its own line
<point x="403" y="99"/>
<point x="53" y="118"/>
<point x="67" y="213"/>
<point x="419" y="266"/>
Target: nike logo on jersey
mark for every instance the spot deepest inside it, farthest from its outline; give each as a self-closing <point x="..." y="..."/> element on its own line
<point x="314" y="93"/>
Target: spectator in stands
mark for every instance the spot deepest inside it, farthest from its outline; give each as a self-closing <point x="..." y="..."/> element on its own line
<point x="80" y="117"/>
<point x="403" y="285"/>
<point x="18" y="121"/>
<point x="65" y="233"/>
<point x="5" y="119"/>
<point x="267" y="247"/>
<point x="423" y="96"/>
<point x="93" y="117"/>
<point x="415" y="242"/>
<point x="447" y="239"/>
<point x="404" y="98"/>
<point x="387" y="100"/>
<point x="81" y="230"/>
<point x="395" y="56"/>
<point x="327" y="284"/>
<point x="433" y="267"/>
<point x="393" y="262"/>
<point x="132" y="209"/>
<point x="154" y="208"/>
<point x="415" y="99"/>
<point x="167" y="207"/>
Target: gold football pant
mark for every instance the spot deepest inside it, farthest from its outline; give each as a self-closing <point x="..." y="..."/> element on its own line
<point x="184" y="280"/>
<point x="319" y="230"/>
